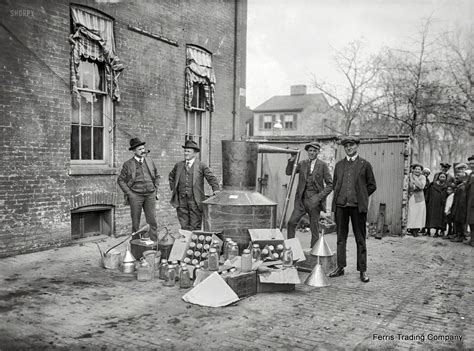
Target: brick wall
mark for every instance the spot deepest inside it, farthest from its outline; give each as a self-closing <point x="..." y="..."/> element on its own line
<point x="37" y="189"/>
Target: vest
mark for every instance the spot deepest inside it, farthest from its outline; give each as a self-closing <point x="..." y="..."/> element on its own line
<point x="185" y="182"/>
<point x="143" y="183"/>
<point x="310" y="188"/>
<point x="347" y="196"/>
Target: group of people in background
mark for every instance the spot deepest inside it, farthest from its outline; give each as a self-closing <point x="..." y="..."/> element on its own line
<point x="442" y="208"/>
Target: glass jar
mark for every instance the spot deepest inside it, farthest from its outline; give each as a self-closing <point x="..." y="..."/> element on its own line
<point x="194" y="237"/>
<point x="287" y="257"/>
<point x="163" y="269"/>
<point x="197" y="267"/>
<point x="226" y="247"/>
<point x="233" y="251"/>
<point x="170" y="279"/>
<point x="144" y="271"/>
<point x="201" y="238"/>
<point x="213" y="260"/>
<point x="184" y="277"/>
<point x="246" y="261"/>
<point x="209" y="239"/>
<point x="256" y="252"/>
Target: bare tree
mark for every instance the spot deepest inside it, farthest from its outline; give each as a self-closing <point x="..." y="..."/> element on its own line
<point x="358" y="94"/>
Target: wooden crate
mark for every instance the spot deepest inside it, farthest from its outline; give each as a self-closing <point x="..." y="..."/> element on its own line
<point x="243" y="284"/>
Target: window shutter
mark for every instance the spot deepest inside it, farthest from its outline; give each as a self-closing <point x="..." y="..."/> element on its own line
<point x="260" y="126"/>
<point x="295" y="119"/>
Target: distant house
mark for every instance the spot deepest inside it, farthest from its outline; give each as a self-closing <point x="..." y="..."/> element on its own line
<point x="297" y="114"/>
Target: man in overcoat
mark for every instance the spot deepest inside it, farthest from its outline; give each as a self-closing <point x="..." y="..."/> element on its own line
<point x="314" y="185"/>
<point x="470" y="199"/>
<point x="139" y="180"/>
<point x="187" y="185"/>
<point x="354" y="182"/>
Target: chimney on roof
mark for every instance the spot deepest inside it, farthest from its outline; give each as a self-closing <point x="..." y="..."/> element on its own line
<point x="298" y="90"/>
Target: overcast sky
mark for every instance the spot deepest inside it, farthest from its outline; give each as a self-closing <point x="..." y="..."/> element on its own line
<point x="288" y="40"/>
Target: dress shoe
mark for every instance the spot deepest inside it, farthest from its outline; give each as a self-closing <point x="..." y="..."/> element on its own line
<point x="364" y="277"/>
<point x="337" y="272"/>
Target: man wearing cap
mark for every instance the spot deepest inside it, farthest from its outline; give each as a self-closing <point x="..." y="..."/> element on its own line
<point x="187" y="186"/>
<point x="354" y="182"/>
<point x="139" y="181"/>
<point x="470" y="200"/>
<point x="314" y="185"/>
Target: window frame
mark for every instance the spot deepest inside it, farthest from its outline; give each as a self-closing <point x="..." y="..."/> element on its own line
<point x="197" y="123"/>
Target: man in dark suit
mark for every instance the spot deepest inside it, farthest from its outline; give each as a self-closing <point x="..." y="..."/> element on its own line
<point x="470" y="199"/>
<point x="187" y="186"/>
<point x="354" y="182"/>
<point x="314" y="185"/>
<point x="139" y="181"/>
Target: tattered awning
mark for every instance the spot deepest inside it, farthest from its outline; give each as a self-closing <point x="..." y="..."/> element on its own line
<point x="199" y="70"/>
<point x="93" y="39"/>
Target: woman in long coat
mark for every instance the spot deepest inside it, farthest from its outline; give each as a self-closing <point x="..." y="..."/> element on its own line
<point x="435" y="203"/>
<point x="416" y="200"/>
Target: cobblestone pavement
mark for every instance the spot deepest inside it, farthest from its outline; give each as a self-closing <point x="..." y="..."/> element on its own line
<point x="421" y="291"/>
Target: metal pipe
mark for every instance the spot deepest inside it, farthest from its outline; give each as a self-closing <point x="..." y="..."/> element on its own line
<point x="288" y="192"/>
<point x="234" y="100"/>
<point x="268" y="149"/>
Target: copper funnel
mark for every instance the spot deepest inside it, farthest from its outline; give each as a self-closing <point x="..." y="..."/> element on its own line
<point x="321" y="248"/>
<point x="317" y="278"/>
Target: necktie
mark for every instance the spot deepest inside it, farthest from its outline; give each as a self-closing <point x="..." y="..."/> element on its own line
<point x="188" y="165"/>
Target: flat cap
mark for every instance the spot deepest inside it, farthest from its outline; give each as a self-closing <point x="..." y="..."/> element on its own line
<point x="413" y="165"/>
<point x="460" y="166"/>
<point x="348" y="139"/>
<point x="312" y="144"/>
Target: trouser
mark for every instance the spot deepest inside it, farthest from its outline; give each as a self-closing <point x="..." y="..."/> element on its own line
<point x="300" y="209"/>
<point x="358" y="220"/>
<point x="147" y="202"/>
<point x="459" y="229"/>
<point x="189" y="214"/>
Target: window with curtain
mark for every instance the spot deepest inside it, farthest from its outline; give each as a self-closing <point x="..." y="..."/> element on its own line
<point x="199" y="97"/>
<point x="289" y="121"/>
<point x="94" y="73"/>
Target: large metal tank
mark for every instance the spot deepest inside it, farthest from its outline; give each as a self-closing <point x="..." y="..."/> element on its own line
<point x="238" y="206"/>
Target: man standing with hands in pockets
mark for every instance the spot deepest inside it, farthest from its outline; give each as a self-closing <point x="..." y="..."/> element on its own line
<point x="139" y="181"/>
<point x="354" y="182"/>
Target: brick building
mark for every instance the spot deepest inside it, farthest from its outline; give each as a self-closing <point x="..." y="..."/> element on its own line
<point x="298" y="114"/>
<point x="80" y="79"/>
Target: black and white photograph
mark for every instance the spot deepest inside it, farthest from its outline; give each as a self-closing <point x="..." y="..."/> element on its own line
<point x="236" y="175"/>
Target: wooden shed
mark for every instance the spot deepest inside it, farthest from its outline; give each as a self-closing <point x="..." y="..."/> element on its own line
<point x="387" y="154"/>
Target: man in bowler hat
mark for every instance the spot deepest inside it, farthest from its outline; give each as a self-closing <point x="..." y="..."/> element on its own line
<point x="314" y="185"/>
<point x="139" y="181"/>
<point x="354" y="182"/>
<point x="187" y="186"/>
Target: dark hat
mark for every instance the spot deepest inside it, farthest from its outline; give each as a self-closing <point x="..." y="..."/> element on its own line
<point x="470" y="158"/>
<point x="347" y="140"/>
<point x="191" y="144"/>
<point x="445" y="164"/>
<point x="312" y="144"/>
<point x="135" y="142"/>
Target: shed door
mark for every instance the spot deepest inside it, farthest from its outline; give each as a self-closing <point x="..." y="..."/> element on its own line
<point x="387" y="160"/>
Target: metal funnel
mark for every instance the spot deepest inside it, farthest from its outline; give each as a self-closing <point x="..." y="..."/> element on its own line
<point x="321" y="248"/>
<point x="128" y="257"/>
<point x="317" y="278"/>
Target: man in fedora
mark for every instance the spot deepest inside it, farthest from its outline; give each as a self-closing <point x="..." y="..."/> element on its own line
<point x="314" y="185"/>
<point x="187" y="186"/>
<point x="354" y="182"/>
<point x="139" y="181"/>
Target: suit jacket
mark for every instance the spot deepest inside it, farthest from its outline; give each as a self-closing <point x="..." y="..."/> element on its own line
<point x="200" y="171"/>
<point x="129" y="172"/>
<point x="470" y="200"/>
<point x="321" y="179"/>
<point x="364" y="185"/>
